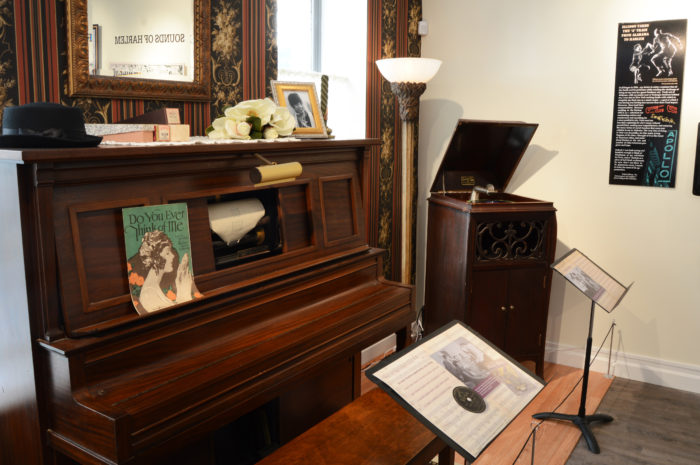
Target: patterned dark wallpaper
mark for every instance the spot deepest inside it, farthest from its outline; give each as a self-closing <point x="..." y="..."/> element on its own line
<point x="226" y="54"/>
<point x="393" y="33"/>
<point x="33" y="67"/>
<point x="8" y="65"/>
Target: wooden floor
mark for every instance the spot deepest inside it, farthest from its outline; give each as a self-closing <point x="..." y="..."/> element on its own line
<point x="554" y="439"/>
<point x="652" y="425"/>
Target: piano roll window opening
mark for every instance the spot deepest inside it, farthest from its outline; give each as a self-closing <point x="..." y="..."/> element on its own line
<point x="244" y="226"/>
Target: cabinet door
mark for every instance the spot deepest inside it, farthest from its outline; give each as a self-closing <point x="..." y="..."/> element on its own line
<point x="526" y="325"/>
<point x="489" y="305"/>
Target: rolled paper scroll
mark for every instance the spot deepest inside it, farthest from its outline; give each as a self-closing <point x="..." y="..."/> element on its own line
<point x="232" y="220"/>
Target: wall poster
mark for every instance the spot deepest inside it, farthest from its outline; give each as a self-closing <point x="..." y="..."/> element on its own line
<point x="646" y="118"/>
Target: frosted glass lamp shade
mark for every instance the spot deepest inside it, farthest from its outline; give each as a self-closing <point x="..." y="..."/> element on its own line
<point x="408" y="69"/>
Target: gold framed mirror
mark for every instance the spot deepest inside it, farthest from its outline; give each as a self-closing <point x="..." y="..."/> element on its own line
<point x="130" y="79"/>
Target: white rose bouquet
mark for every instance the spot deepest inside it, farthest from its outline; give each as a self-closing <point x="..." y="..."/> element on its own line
<point x="253" y="119"/>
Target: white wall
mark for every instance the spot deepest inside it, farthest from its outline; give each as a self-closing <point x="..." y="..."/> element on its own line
<point x="552" y="62"/>
<point x="344" y="61"/>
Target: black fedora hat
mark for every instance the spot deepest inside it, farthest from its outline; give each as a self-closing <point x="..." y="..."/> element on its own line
<point x="44" y="125"/>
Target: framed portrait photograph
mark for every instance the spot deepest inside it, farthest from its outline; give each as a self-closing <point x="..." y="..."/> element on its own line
<point x="300" y="99"/>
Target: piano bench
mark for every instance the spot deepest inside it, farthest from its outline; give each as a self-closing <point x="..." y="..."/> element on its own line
<point x="373" y="429"/>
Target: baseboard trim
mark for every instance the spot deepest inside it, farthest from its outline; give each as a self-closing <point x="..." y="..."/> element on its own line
<point x="636" y="367"/>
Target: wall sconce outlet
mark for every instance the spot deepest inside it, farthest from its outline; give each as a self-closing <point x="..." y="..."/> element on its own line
<point x="423" y="28"/>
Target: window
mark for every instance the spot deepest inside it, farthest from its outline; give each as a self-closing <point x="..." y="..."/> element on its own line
<point x="316" y="37"/>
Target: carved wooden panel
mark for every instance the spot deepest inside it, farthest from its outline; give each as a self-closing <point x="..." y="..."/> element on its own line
<point x="510" y="240"/>
<point x="338" y="197"/>
<point x="99" y="257"/>
<point x="297" y="226"/>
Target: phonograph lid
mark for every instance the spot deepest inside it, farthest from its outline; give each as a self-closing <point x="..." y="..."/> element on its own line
<point x="481" y="153"/>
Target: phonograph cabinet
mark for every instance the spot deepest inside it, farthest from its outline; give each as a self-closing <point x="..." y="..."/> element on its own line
<point x="489" y="252"/>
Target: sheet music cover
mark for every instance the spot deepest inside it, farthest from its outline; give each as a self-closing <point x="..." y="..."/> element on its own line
<point x="590" y="279"/>
<point x="159" y="257"/>
<point x="459" y="385"/>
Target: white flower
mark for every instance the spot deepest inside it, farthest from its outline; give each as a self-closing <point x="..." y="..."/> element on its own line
<point x="262" y="108"/>
<point x="229" y="128"/>
<point x="236" y="129"/>
<point x="243" y="128"/>
<point x="275" y="121"/>
<point x="219" y="123"/>
<point x="270" y="133"/>
<point x="283" y="121"/>
<point x="218" y="134"/>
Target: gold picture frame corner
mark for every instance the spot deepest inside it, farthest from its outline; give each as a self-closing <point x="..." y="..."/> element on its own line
<point x="309" y="100"/>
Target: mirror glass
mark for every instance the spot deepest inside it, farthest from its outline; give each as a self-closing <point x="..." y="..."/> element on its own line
<point x="149" y="39"/>
<point x="157" y="49"/>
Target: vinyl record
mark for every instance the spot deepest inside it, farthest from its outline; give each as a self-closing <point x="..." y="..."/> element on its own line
<point x="469" y="399"/>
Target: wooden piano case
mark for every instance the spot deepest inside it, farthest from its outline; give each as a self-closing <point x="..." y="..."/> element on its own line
<point x="279" y="323"/>
<point x="488" y="259"/>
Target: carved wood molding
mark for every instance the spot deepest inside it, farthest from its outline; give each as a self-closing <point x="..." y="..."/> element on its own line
<point x="510" y="240"/>
<point x="408" y="94"/>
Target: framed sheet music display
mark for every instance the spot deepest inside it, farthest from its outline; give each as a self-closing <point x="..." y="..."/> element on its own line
<point x="459" y="385"/>
<point x="590" y="279"/>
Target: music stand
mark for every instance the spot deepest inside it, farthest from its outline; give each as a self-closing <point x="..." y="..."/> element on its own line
<point x="605" y="291"/>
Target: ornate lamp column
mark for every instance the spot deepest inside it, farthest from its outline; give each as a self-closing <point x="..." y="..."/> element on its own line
<point x="408" y="77"/>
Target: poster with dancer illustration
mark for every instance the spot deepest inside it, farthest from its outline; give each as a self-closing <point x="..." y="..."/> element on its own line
<point x="158" y="256"/>
<point x="647" y="111"/>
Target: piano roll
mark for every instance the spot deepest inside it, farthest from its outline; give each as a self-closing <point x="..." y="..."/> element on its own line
<point x="232" y="220"/>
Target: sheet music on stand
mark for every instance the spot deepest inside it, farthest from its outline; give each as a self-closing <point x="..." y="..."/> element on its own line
<point x="607" y="292"/>
<point x="459" y="385"/>
<point x="590" y="279"/>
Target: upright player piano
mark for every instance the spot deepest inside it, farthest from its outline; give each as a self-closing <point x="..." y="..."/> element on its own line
<point x="281" y="321"/>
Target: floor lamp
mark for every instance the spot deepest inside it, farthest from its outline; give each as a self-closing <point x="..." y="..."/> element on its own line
<point x="407" y="77"/>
